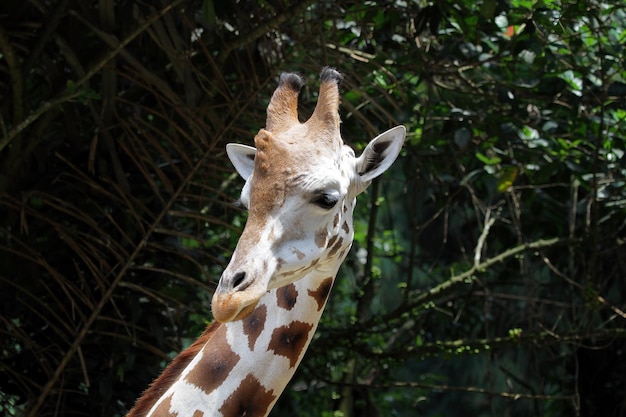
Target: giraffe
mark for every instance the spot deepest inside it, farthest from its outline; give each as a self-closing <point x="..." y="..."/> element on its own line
<point x="300" y="188"/>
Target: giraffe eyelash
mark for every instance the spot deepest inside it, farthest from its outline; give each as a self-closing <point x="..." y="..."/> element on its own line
<point x="240" y="205"/>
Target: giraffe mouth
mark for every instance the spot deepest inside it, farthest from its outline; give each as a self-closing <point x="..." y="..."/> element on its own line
<point x="228" y="307"/>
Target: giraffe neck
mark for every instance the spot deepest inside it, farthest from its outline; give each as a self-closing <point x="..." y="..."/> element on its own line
<point x="245" y="365"/>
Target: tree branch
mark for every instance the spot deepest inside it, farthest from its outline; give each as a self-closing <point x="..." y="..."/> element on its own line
<point x="475" y="390"/>
<point x="419" y="298"/>
<point x="468" y="275"/>
<point x="489" y="221"/>
<point x="254" y="34"/>
<point x="17" y="82"/>
<point x="68" y="95"/>
<point x="516" y="337"/>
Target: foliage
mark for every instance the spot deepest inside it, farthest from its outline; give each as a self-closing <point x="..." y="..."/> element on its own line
<point x="486" y="273"/>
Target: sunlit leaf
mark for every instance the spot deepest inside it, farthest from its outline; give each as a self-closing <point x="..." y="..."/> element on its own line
<point x="506" y="177"/>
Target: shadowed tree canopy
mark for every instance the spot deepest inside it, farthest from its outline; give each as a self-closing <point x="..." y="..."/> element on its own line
<point x="487" y="273"/>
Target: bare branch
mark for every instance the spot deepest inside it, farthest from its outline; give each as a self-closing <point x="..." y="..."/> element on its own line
<point x="261" y="30"/>
<point x="468" y="275"/>
<point x="517" y="337"/>
<point x="69" y="95"/>
<point x="489" y="221"/>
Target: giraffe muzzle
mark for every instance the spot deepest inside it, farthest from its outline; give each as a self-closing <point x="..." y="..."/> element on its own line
<point x="235" y="296"/>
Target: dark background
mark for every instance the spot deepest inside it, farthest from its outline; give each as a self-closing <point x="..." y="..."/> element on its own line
<point x="487" y="273"/>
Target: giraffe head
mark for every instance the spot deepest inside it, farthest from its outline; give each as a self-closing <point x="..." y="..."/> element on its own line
<point x="300" y="187"/>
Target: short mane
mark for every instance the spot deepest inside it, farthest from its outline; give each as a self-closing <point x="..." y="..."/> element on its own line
<point x="170" y="374"/>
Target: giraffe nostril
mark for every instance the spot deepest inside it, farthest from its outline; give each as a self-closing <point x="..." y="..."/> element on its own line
<point x="239" y="281"/>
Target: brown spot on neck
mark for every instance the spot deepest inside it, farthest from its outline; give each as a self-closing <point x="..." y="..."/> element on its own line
<point x="171" y="373"/>
<point x="321" y="293"/>
<point x="287" y="296"/>
<point x="254" y="323"/>
<point x="217" y="362"/>
<point x="250" y="399"/>
<point x="164" y="407"/>
<point x="289" y="341"/>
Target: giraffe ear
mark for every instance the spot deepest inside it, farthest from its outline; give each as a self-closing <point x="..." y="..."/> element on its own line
<point x="242" y="158"/>
<point x="380" y="153"/>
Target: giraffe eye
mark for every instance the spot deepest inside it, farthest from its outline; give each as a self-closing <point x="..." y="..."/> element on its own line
<point x="326" y="201"/>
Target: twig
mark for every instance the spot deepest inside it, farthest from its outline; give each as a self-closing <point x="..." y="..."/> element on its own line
<point x="474" y="346"/>
<point x="489" y="221"/>
<point x="17" y="82"/>
<point x="261" y="30"/>
<point x="423" y="298"/>
<point x="46" y="107"/>
<point x="69" y="95"/>
<point x="573" y="283"/>
<point x="467" y="275"/>
<point x="53" y="20"/>
<point x="108" y="294"/>
<point x="475" y="390"/>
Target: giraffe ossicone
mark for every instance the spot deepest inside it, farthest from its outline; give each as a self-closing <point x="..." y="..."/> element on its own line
<point x="301" y="184"/>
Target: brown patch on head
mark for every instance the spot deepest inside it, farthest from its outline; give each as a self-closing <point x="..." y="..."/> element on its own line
<point x="320" y="237"/>
<point x="299" y="255"/>
<point x="332" y="241"/>
<point x="268" y="184"/>
<point x="216" y="364"/>
<point x="250" y="399"/>
<point x="287" y="296"/>
<point x="300" y="271"/>
<point x="336" y="221"/>
<point x="269" y="189"/>
<point x="198" y="413"/>
<point x="321" y="293"/>
<point x="253" y="324"/>
<point x="346" y="227"/>
<point x="280" y="262"/>
<point x="336" y="247"/>
<point x="290" y="274"/>
<point x="289" y="341"/>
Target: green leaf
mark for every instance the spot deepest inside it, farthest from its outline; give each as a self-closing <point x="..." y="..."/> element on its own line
<point x="573" y="80"/>
<point x="488" y="160"/>
<point x="71" y="86"/>
<point x="506" y="178"/>
<point x="208" y="12"/>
